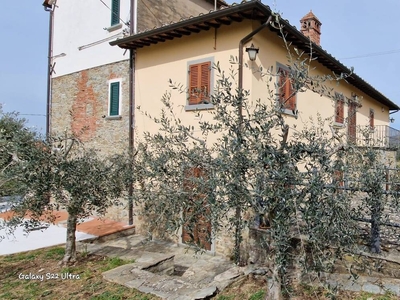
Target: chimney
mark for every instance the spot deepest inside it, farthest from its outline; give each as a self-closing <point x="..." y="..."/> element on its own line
<point x="310" y="26"/>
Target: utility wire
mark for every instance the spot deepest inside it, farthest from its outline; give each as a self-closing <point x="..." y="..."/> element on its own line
<point x="151" y="11"/>
<point x="373" y="54"/>
<point x="112" y="12"/>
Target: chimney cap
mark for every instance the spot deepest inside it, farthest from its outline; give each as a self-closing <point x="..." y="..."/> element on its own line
<point x="310" y="15"/>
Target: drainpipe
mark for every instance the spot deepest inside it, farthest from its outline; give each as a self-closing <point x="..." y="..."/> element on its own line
<point x="50" y="9"/>
<point x="238" y="212"/>
<point x="241" y="44"/>
<point x="132" y="30"/>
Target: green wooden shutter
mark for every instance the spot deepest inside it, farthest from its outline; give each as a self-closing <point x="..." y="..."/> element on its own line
<point x="115" y="8"/>
<point x="114" y="99"/>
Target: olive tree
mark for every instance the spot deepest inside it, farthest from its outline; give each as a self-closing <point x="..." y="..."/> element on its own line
<point x="58" y="173"/>
<point x="255" y="168"/>
<point x="16" y="140"/>
<point x="260" y="169"/>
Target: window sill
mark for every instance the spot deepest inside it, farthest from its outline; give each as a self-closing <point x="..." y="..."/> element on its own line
<point x="195" y="107"/>
<point x="113" y="27"/>
<point x="338" y="125"/>
<point x="119" y="117"/>
<point x="289" y="112"/>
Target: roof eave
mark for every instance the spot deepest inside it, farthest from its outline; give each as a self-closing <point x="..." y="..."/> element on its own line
<point x="124" y="43"/>
<point x="302" y="42"/>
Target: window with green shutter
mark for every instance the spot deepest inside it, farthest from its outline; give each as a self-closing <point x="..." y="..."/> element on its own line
<point x="114" y="99"/>
<point x="115" y="8"/>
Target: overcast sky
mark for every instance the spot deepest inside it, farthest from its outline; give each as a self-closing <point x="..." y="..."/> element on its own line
<point x="360" y="33"/>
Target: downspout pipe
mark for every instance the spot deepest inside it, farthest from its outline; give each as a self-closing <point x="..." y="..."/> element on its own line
<point x="50" y="9"/>
<point x="132" y="30"/>
<point x="238" y="212"/>
<point x="241" y="45"/>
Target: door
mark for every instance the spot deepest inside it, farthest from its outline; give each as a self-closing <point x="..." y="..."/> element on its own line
<point x="197" y="229"/>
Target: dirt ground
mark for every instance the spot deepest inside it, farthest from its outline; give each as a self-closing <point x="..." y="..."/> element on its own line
<point x="37" y="275"/>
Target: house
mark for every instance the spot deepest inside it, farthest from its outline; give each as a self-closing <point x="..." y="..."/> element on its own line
<point x="184" y="52"/>
<point x="89" y="90"/>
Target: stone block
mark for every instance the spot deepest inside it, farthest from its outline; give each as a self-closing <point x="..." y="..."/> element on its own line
<point x="371" y="288"/>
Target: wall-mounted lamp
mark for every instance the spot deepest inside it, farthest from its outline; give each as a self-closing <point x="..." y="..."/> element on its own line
<point x="252" y="51"/>
<point x="383" y="109"/>
<point x="391" y="120"/>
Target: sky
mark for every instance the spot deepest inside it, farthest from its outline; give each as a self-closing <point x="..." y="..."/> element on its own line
<point x="363" y="34"/>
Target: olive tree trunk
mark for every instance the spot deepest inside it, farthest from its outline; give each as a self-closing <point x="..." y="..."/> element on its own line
<point x="70" y="246"/>
<point x="274" y="286"/>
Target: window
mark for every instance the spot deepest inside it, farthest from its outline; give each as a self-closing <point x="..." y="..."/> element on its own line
<point x="114" y="101"/>
<point x="286" y="92"/>
<point x="371" y="118"/>
<point x="115" y="8"/>
<point x="339" y="108"/>
<point x="199" y="83"/>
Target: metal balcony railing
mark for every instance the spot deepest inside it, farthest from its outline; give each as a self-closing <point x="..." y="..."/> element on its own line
<point x="381" y="136"/>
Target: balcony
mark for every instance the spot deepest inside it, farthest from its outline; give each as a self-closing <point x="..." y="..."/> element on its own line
<point x="380" y="136"/>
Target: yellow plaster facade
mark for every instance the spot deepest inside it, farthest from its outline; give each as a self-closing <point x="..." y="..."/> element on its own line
<point x="157" y="64"/>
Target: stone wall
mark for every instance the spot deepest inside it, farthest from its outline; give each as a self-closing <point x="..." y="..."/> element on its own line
<point x="80" y="106"/>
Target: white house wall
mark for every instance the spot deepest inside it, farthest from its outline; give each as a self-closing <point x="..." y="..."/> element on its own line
<point x="80" y="32"/>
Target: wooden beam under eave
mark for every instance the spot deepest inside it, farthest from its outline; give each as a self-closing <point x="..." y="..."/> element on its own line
<point x="165" y="36"/>
<point x="202" y="27"/>
<point x="235" y="18"/>
<point x="156" y="39"/>
<point x="222" y="21"/>
<point x="214" y="25"/>
<point x="143" y="43"/>
<point x="175" y="34"/>
<point x="192" y="29"/>
<point x="182" y="31"/>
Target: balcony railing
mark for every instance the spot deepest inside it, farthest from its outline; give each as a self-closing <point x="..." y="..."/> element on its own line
<point x="381" y="136"/>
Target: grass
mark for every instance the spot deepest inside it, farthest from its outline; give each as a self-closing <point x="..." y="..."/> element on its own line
<point x="91" y="284"/>
<point x="387" y="296"/>
<point x="88" y="284"/>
